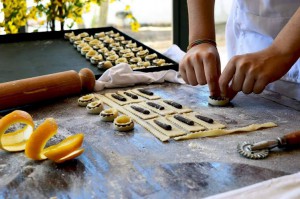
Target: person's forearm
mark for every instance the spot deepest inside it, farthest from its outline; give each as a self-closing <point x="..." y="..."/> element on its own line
<point x="201" y="19"/>
<point x="288" y="40"/>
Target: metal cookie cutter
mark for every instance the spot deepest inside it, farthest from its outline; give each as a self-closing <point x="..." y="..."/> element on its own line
<point x="261" y="150"/>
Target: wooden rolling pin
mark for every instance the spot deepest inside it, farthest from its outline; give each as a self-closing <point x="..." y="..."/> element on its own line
<point x="46" y="87"/>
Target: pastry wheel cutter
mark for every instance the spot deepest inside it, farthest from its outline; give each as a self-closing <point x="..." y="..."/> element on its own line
<point x="261" y="150"/>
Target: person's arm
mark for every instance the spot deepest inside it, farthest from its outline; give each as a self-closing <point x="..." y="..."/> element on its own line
<point x="253" y="72"/>
<point x="201" y="64"/>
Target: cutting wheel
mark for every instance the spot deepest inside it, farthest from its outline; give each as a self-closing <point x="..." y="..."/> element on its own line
<point x="245" y="150"/>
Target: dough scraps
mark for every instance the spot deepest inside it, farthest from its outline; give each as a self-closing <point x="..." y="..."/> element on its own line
<point x="218" y="132"/>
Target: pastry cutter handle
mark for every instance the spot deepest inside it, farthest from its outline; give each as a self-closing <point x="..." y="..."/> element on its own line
<point x="290" y="139"/>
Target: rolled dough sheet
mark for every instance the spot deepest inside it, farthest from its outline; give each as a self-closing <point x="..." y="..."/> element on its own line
<point x="190" y="128"/>
<point x="166" y="111"/>
<point x="108" y="95"/>
<point x="139" y="114"/>
<point x="209" y="126"/>
<point x="184" y="109"/>
<point x="131" y="100"/>
<point x="171" y="133"/>
<point x="150" y="97"/>
<point x="218" y="132"/>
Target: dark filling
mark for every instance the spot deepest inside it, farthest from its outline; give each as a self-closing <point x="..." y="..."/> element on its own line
<point x="133" y="96"/>
<point x="141" y="110"/>
<point x="145" y="91"/>
<point x="217" y="98"/>
<point x="157" y="106"/>
<point x="205" y="119"/>
<point x="174" y="104"/>
<point x="184" y="120"/>
<point x="106" y="114"/>
<point x="163" y="125"/>
<point x="124" y="125"/>
<point x="119" y="97"/>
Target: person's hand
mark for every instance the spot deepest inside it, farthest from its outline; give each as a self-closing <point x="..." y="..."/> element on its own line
<point x="201" y="65"/>
<point x="251" y="73"/>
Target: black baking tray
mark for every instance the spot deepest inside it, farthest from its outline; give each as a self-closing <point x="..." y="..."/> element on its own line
<point x="27" y="55"/>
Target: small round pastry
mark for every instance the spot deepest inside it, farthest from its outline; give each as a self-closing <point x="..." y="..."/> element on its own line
<point x="108" y="115"/>
<point x="143" y="64"/>
<point x="142" y="54"/>
<point x="117" y="49"/>
<point x="105" y="65"/>
<point x="98" y="46"/>
<point x="74" y="38"/>
<point x="68" y="35"/>
<point x="80" y="46"/>
<point x="102" y="51"/>
<point x="158" y="62"/>
<point x="218" y="101"/>
<point x="119" y="39"/>
<point x="137" y="49"/>
<point x="103" y="38"/>
<point x="131" y="45"/>
<point x="128" y="56"/>
<point x="95" y="107"/>
<point x="112" y="45"/>
<point x="115" y="35"/>
<point x="90" y="54"/>
<point x="112" y="58"/>
<point x="123" y="123"/>
<point x="100" y="34"/>
<point x="84" y="34"/>
<point x="133" y="66"/>
<point x="121" y="60"/>
<point x="88" y="39"/>
<point x="85" y="50"/>
<point x="94" y="42"/>
<point x="86" y="99"/>
<point x="109" y="32"/>
<point x="76" y="43"/>
<point x="166" y="64"/>
<point x="109" y="53"/>
<point x="124" y="51"/>
<point x="135" y="60"/>
<point x="125" y="42"/>
<point x="96" y="59"/>
<point x="108" y="41"/>
<point x="151" y="57"/>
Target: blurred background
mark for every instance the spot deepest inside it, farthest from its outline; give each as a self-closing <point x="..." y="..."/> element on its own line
<point x="151" y="22"/>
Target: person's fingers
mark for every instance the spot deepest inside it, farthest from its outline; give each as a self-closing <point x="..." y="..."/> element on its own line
<point x="182" y="71"/>
<point x="199" y="71"/>
<point x="231" y="93"/>
<point x="248" y="84"/>
<point x="259" y="85"/>
<point x="238" y="80"/>
<point x="226" y="77"/>
<point x="212" y="74"/>
<point x="191" y="76"/>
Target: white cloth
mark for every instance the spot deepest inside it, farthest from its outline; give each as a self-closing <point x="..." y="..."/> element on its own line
<point x="253" y="25"/>
<point x="122" y="75"/>
<point x="277" y="188"/>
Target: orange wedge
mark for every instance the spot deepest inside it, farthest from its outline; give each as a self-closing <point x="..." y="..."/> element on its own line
<point x="38" y="139"/>
<point x="15" y="141"/>
<point x="65" y="148"/>
<point x="70" y="156"/>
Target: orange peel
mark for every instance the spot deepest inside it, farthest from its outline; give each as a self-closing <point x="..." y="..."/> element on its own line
<point x="16" y="140"/>
<point x="64" y="148"/>
<point x="70" y="156"/>
<point x="38" y="139"/>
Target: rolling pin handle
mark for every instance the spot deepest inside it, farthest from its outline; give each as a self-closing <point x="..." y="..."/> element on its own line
<point x="291" y="139"/>
<point x="87" y="79"/>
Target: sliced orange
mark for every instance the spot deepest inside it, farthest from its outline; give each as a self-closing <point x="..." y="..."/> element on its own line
<point x="64" y="148"/>
<point x="70" y="156"/>
<point x="38" y="139"/>
<point x="15" y="141"/>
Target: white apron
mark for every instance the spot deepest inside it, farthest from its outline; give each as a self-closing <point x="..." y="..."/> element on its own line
<point x="253" y="25"/>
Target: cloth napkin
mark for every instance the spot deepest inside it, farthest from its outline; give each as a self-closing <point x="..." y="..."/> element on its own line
<point x="122" y="75"/>
<point x="278" y="188"/>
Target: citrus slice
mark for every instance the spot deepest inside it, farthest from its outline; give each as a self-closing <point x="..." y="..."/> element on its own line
<point x="64" y="148"/>
<point x="38" y="139"/>
<point x="70" y="156"/>
<point x="16" y="140"/>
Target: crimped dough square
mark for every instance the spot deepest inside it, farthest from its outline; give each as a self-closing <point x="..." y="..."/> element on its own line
<point x="139" y="114"/>
<point x="209" y="126"/>
<point x="166" y="111"/>
<point x="175" y="131"/>
<point x="131" y="100"/>
<point x="108" y="95"/>
<point x="193" y="128"/>
<point x="150" y="97"/>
